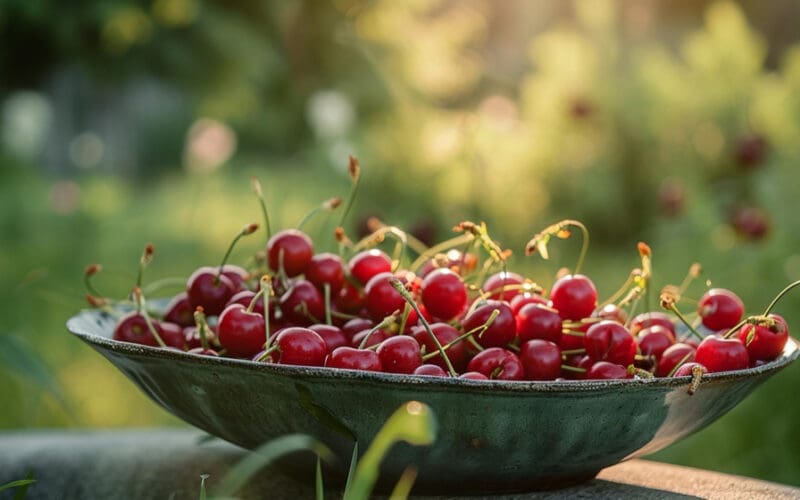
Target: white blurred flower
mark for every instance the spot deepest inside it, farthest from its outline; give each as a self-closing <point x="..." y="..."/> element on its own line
<point x="330" y="114"/>
<point x="209" y="144"/>
<point x="26" y="120"/>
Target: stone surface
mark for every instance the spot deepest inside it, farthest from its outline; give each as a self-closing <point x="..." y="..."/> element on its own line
<point x="167" y="463"/>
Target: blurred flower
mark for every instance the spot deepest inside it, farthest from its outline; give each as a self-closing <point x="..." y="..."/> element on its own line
<point x="209" y="144"/>
<point x="65" y="197"/>
<point x="26" y="120"/>
<point x="86" y="150"/>
<point x="330" y="114"/>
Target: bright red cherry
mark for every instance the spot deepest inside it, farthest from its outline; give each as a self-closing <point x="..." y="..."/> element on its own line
<point x="132" y="327"/>
<point x="349" y="300"/>
<point x="524" y="299"/>
<point x="610" y="341"/>
<point x="381" y="298"/>
<point x="296" y="250"/>
<point x="654" y="340"/>
<point x="574" y="296"/>
<point x="430" y="371"/>
<point x="603" y="370"/>
<point x="179" y="311"/>
<point x="444" y="294"/>
<point x="722" y="355"/>
<point x="400" y="354"/>
<point x="208" y="289"/>
<point x="375" y="337"/>
<point x="720" y="309"/>
<point x="332" y="335"/>
<point x="300" y="346"/>
<point x="672" y="356"/>
<point x="368" y="263"/>
<point x="541" y="360"/>
<point x="646" y="319"/>
<point x="456" y="353"/>
<point x="537" y="321"/>
<point x="503" y="285"/>
<point x="245" y="297"/>
<point x="502" y="330"/>
<point x="497" y="363"/>
<point x="351" y="358"/>
<point x="240" y="332"/>
<point x="302" y="304"/>
<point x="767" y="342"/>
<point x="326" y="268"/>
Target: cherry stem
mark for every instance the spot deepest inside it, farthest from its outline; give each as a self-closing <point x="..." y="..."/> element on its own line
<point x="697" y="377"/>
<point x="91" y="270"/>
<point x="377" y="237"/>
<point x="440" y="248"/>
<point x="404" y="317"/>
<point x="618" y="294"/>
<point x="408" y="239"/>
<point x="575" y="369"/>
<point x="584" y="244"/>
<point x="672" y="307"/>
<point x="465" y="336"/>
<point x="680" y="363"/>
<point x="780" y="296"/>
<point x="573" y="333"/>
<point x="142" y="308"/>
<point x="268" y="352"/>
<point x="326" y="288"/>
<point x="147" y="256"/>
<point x="266" y="287"/>
<point x="254" y="300"/>
<point x="570" y="352"/>
<point x="388" y="320"/>
<point x="354" y="170"/>
<point x="328" y="205"/>
<point x="246" y="230"/>
<point x="263" y="204"/>
<point x="401" y="289"/>
<point x="639" y="372"/>
<point x="202" y="326"/>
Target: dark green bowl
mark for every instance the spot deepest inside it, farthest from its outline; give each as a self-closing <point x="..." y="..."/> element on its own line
<point x="493" y="436"/>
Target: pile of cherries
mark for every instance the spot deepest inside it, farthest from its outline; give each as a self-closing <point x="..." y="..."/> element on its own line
<point x="446" y="315"/>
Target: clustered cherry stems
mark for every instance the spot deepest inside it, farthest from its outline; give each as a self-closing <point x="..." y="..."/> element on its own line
<point x="246" y="230"/>
<point x="668" y="303"/>
<point x="263" y="204"/>
<point x="202" y="327"/>
<point x="141" y="307"/>
<point x="560" y="230"/>
<point x="327" y="205"/>
<point x="374" y="224"/>
<point x="440" y="248"/>
<point x="470" y="335"/>
<point x="757" y="319"/>
<point x="401" y="289"/>
<point x="379" y="235"/>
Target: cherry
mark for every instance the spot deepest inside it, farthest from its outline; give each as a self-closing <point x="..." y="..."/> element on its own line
<point x="444" y="294"/>
<point x="240" y="332"/>
<point x="524" y="299"/>
<point x="172" y="335"/>
<point x="644" y="320"/>
<point x="245" y="297"/>
<point x="502" y="330"/>
<point x="381" y="299"/>
<point x="537" y="321"/>
<point x="721" y="355"/>
<point x="574" y="296"/>
<point x="375" y="338"/>
<point x="457" y="352"/>
<point x="237" y="275"/>
<point x="333" y="336"/>
<point x="750" y="151"/>
<point x="368" y="263"/>
<point x="291" y="247"/>
<point x="355" y="325"/>
<point x="496" y="285"/>
<point x="767" y="342"/>
<point x="720" y="309"/>
<point x="191" y="336"/>
<point x="400" y="354"/>
<point x="209" y="289"/>
<point x="610" y="341"/>
<point x="576" y="366"/>
<point x="326" y="268"/>
<point x="605" y="371"/>
<point x="349" y="300"/>
<point x="612" y="312"/>
<point x="673" y="356"/>
<point x="430" y="371"/>
<point x="686" y="369"/>
<point x="473" y="376"/>
<point x="351" y="358"/>
<point x="132" y="327"/>
<point x="497" y="363"/>
<point x="300" y="346"/>
<point x="179" y="311"/>
<point x="302" y="304"/>
<point x="541" y="360"/>
<point x="654" y="340"/>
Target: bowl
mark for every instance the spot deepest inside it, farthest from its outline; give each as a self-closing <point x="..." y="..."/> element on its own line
<point x="493" y="436"/>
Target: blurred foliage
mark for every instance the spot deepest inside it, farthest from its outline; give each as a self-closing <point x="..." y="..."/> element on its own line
<point x="127" y="121"/>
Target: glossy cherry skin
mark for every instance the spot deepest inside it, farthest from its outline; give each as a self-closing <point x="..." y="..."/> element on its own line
<point x="581" y="361"/>
<point x="610" y="341"/>
<point x="654" y="340"/>
<point x="297" y="250"/>
<point x="603" y="370"/>
<point x="674" y="354"/>
<point x="686" y="369"/>
<point x="326" y="268"/>
<point x="208" y="290"/>
<point x="496" y="285"/>
<point x="524" y="299"/>
<point x="191" y="337"/>
<point x="351" y="358"/>
<point x="400" y="354"/>
<point x="767" y="343"/>
<point x="720" y="309"/>
<point x="497" y="363"/>
<point x="350" y="299"/>
<point x="381" y="298"/>
<point x="355" y="325"/>
<point x="375" y="338"/>
<point x="302" y="304"/>
<point x="132" y="327"/>
<point x="574" y="296"/>
<point x="444" y="294"/>
<point x="502" y="330"/>
<point x="456" y="353"/>
<point x="245" y="297"/>
<point x="179" y="311"/>
<point x="172" y="335"/>
<point x="237" y="275"/>
<point x="300" y="346"/>
<point x="541" y="360"/>
<point x="537" y="321"/>
<point x="332" y="335"/>
<point x="644" y="320"/>
<point x="722" y="355"/>
<point x="368" y="263"/>
<point x="430" y="371"/>
<point x="241" y="333"/>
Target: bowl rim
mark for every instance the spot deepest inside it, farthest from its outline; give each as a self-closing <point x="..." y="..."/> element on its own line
<point x="75" y="326"/>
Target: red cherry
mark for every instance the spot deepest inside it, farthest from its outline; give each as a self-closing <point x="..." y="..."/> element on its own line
<point x="237" y="275"/>
<point x="574" y="296"/>
<point x="473" y="376"/>
<point x="381" y="298"/>
<point x="444" y="294"/>
<point x="300" y="346"/>
<point x="541" y="360"/>
<point x="457" y="353"/>
<point x="502" y="330"/>
<point x="672" y="355"/>
<point x="644" y="320"/>
<point x="351" y="358"/>
<point x="654" y="340"/>
<point x="333" y="336"/>
<point x="537" y="321"/>
<point x="245" y="297"/>
<point x="767" y="342"/>
<point x="326" y="268"/>
<point x="495" y="285"/>
<point x="172" y="335"/>
<point x="302" y="304"/>
<point x="430" y="371"/>
<point x="400" y="354"/>
<point x="240" y="332"/>
<point x="497" y="363"/>
<point x="580" y="361"/>
<point x="610" y="341"/>
<point x="179" y="311"/>
<point x="205" y="288"/>
<point x="524" y="299"/>
<point x="355" y="325"/>
<point x="375" y="338"/>
<point x="750" y="151"/>
<point x="368" y="263"/>
<point x="603" y="370"/>
<point x="722" y="355"/>
<point x="132" y="327"/>
<point x="296" y="248"/>
<point x="720" y="309"/>
<point x="686" y="369"/>
<point x="349" y="300"/>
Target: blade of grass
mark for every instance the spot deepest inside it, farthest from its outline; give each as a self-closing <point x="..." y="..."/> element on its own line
<point x="17" y="484"/>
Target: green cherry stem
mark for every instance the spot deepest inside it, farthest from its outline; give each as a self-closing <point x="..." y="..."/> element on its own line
<point x="680" y="363"/>
<point x="90" y="271"/>
<point x="246" y="230"/>
<point x="465" y="336"/>
<point x="327" y="205"/>
<point x="141" y="307"/>
<point x="440" y="248"/>
<point x="388" y="320"/>
<point x="327" y="292"/>
<point x="672" y="307"/>
<point x="257" y="190"/>
<point x="768" y="310"/>
<point x="354" y="170"/>
<point x="144" y="260"/>
<point x="266" y="287"/>
<point x="401" y="289"/>
<point x="254" y="300"/>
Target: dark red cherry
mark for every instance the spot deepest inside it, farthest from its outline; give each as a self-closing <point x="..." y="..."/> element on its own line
<point x="497" y="363"/>
<point x="767" y="342"/>
<point x="375" y="337"/>
<point x="172" y="335"/>
<point x="537" y="321"/>
<point x="380" y="297"/>
<point x="444" y="294"/>
<point x="132" y="327"/>
<point x="300" y="346"/>
<point x="179" y="311"/>
<point x="326" y="268"/>
<point x="751" y="223"/>
<point x="720" y="309"/>
<point x="722" y="355"/>
<point x="296" y="248"/>
<point x="332" y="335"/>
<point x="647" y="319"/>
<point x="580" y="361"/>
<point x="750" y="151"/>
<point x="351" y="358"/>
<point x="574" y="296"/>
<point x="208" y="290"/>
<point x="368" y="263"/>
<point x="502" y="330"/>
<point x="541" y="360"/>
<point x="350" y="299"/>
<point x="400" y="354"/>
<point x="191" y="336"/>
<point x="355" y="325"/>
<point x="654" y="340"/>
<point x="524" y="299"/>
<point x="603" y="370"/>
<point x="672" y="356"/>
<point x="503" y="285"/>
<point x="430" y="371"/>
<point x="241" y="333"/>
<point x="610" y="341"/>
<point x="237" y="275"/>
<point x="457" y="353"/>
<point x="245" y="297"/>
<point x="302" y="304"/>
<point x="686" y="369"/>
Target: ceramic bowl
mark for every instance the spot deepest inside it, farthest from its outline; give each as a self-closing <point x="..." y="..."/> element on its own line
<point x="493" y="436"/>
